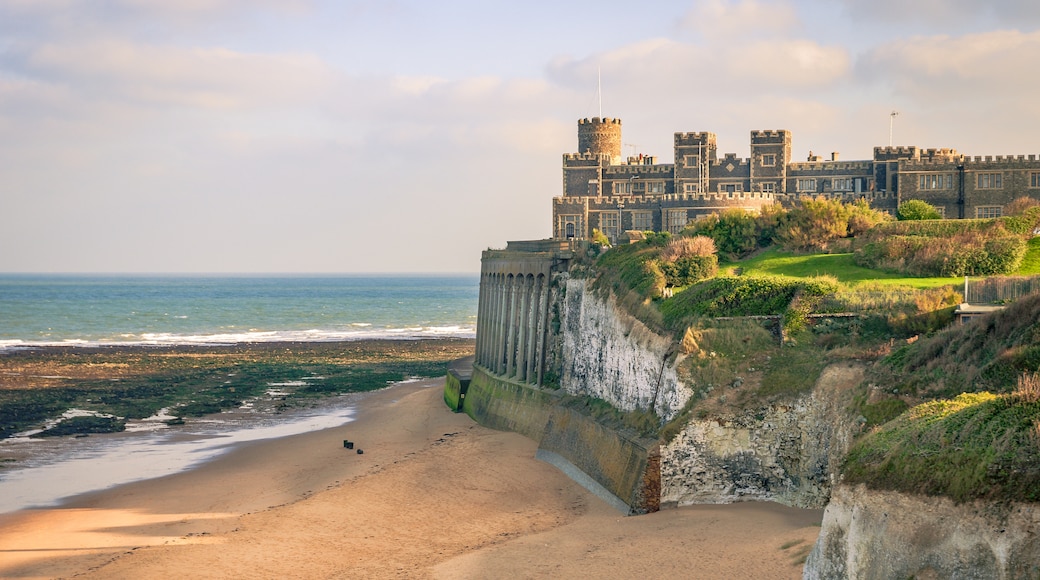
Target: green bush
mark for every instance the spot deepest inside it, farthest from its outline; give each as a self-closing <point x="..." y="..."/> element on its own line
<point x="965" y="253"/>
<point x="688" y="270"/>
<point x="741" y="296"/>
<point x="916" y="209"/>
<point x="735" y="231"/>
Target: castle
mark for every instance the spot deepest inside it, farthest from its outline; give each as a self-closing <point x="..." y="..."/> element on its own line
<point x="601" y="191"/>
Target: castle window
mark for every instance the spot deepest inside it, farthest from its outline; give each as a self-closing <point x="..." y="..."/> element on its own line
<point x="769" y="159"/>
<point x="691" y="188"/>
<point x="691" y="160"/>
<point x="570" y="226"/>
<point x="991" y="180"/>
<point x="623" y="187"/>
<point x="842" y="184"/>
<point x="676" y="220"/>
<point x="805" y="185"/>
<point x="989" y="211"/>
<point x="1034" y="179"/>
<point x="768" y="187"/>
<point x="642" y="221"/>
<point x="935" y="181"/>
<point x="608" y="224"/>
<point x="655" y="187"/>
<point x="942" y="210"/>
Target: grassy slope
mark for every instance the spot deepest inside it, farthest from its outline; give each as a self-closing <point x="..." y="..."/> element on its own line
<point x="968" y="446"/>
<point x="1031" y="261"/>
<point x="977" y="445"/>
<point x="775" y="262"/>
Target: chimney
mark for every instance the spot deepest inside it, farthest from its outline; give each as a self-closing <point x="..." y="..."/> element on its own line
<point x="834" y="155"/>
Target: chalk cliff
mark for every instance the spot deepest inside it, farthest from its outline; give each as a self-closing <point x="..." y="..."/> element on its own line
<point x="609" y="354"/>
<point x="881" y="534"/>
<point x="785" y="452"/>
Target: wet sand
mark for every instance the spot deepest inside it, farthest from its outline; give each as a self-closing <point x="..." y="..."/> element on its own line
<point x="433" y="496"/>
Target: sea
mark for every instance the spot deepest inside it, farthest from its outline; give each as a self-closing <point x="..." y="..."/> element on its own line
<point x="166" y="310"/>
<point x="90" y="310"/>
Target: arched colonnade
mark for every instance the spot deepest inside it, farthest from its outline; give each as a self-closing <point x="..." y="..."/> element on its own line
<point x="513" y="316"/>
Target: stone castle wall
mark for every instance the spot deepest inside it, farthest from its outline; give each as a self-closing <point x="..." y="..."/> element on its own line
<point x="601" y="192"/>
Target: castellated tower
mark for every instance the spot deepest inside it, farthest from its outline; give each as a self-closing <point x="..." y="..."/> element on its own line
<point x="770" y="154"/>
<point x="600" y="137"/>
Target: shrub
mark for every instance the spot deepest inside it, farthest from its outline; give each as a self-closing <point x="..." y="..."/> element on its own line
<point x="1027" y="389"/>
<point x="685" y="247"/>
<point x="916" y="209"/>
<point x="734" y="231"/>
<point x="657" y="238"/>
<point x="1020" y="205"/>
<point x="690" y="269"/>
<point x="944" y="251"/>
<point x="600" y="238"/>
<point x="862" y="217"/>
<point x="813" y="223"/>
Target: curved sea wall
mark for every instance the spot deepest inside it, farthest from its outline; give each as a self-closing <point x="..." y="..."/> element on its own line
<point x="620" y="464"/>
<point x="883" y="534"/>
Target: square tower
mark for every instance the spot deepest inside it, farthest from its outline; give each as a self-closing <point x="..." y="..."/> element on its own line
<point x="770" y="154"/>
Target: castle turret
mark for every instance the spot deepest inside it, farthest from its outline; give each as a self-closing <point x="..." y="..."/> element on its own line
<point x="600" y="137"/>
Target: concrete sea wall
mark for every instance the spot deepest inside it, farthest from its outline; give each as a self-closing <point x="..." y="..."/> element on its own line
<point x="623" y="465"/>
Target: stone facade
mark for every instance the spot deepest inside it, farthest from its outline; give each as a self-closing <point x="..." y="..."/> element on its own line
<point x="600" y="191"/>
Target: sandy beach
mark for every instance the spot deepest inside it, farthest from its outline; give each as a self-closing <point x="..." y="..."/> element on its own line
<point x="434" y="495"/>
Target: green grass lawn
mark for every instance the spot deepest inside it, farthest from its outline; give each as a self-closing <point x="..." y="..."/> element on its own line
<point x="1031" y="261"/>
<point x="775" y="262"/>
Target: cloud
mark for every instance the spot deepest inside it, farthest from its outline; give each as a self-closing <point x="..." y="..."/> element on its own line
<point x="657" y="65"/>
<point x="946" y="69"/>
<point x="722" y="19"/>
<point x="938" y="13"/>
<point x="208" y="78"/>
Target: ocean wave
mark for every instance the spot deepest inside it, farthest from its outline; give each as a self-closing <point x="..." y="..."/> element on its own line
<point x="254" y="336"/>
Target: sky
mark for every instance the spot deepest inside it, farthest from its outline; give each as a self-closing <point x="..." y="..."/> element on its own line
<point x="365" y="136"/>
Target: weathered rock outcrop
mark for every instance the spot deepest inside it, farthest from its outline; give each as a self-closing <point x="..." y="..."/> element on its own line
<point x="783" y="452"/>
<point x="880" y="534"/>
<point x="609" y="354"/>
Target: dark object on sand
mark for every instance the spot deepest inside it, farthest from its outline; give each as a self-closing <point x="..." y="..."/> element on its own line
<point x="360" y="451"/>
<point x="348" y="444"/>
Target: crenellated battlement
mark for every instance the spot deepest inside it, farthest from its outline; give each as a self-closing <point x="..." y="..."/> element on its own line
<point x="586" y="156"/>
<point x="638" y="170"/>
<point x="930" y="162"/>
<point x="1005" y="159"/>
<point x="694" y="138"/>
<point x="770" y="136"/>
<point x="831" y="166"/>
<point x="599" y="121"/>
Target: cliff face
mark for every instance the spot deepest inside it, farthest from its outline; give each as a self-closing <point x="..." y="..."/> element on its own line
<point x="878" y="534"/>
<point x="609" y="354"/>
<point x="781" y="452"/>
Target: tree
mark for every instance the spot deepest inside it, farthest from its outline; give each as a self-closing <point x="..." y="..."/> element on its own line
<point x="916" y="209"/>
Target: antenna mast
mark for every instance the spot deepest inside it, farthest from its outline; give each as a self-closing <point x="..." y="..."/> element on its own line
<point x="891" y="123"/>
